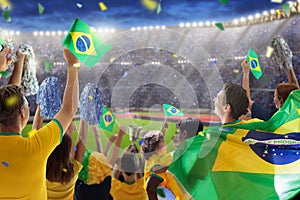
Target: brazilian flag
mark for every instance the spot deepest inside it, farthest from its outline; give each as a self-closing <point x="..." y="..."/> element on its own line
<point x="252" y="159"/>
<point x="170" y="110"/>
<point x="254" y="64"/>
<point x="107" y="120"/>
<point x="85" y="44"/>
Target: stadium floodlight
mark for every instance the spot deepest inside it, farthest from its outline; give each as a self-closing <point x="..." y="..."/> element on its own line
<point x="53" y="33"/>
<point x="65" y="32"/>
<point x="106" y="30"/>
<point x="201" y="24"/>
<point x="112" y="30"/>
<point x="151" y="27"/>
<point x="18" y="33"/>
<point x="194" y="24"/>
<point x="257" y="15"/>
<point x="133" y="29"/>
<point x="235" y="21"/>
<point x="243" y="19"/>
<point x="265" y="13"/>
<point x="41" y="33"/>
<point x="207" y="23"/>
<point x="145" y="28"/>
<point x="250" y="17"/>
<point x="157" y="27"/>
<point x="272" y="12"/>
<point x="47" y="33"/>
<point x="163" y="27"/>
<point x="11" y="33"/>
<point x="59" y="33"/>
<point x="181" y="25"/>
<point x="187" y="24"/>
<point x="35" y="33"/>
<point x="138" y="28"/>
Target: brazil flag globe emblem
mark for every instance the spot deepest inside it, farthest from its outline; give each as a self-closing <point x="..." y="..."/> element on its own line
<point x="83" y="43"/>
<point x="254" y="64"/>
<point x="173" y="110"/>
<point x="108" y="119"/>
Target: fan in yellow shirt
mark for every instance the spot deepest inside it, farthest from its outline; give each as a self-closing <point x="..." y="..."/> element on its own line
<point x="23" y="168"/>
<point x="132" y="187"/>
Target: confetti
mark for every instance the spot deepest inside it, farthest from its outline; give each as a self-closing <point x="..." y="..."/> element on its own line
<point x="236" y="71"/>
<point x="160" y="192"/>
<point x="79" y="5"/>
<point x="102" y="6"/>
<point x="5" y="4"/>
<point x="220" y="26"/>
<point x="150" y="4"/>
<point x="75" y="148"/>
<point x="48" y="5"/>
<point x="12" y="100"/>
<point x="5" y="164"/>
<point x="269" y="52"/>
<point x="223" y="1"/>
<point x="64" y="170"/>
<point x="234" y="76"/>
<point x="48" y="66"/>
<point x="41" y="8"/>
<point x="111" y="60"/>
<point x="90" y="97"/>
<point x="276" y="1"/>
<point x="141" y="141"/>
<point x="286" y="9"/>
<point x="6" y="16"/>
<point x="5" y="74"/>
<point x="158" y="10"/>
<point x="175" y="55"/>
<point x="76" y="65"/>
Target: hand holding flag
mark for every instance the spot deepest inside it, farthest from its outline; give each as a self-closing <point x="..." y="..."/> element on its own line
<point x="254" y="64"/>
<point x="84" y="43"/>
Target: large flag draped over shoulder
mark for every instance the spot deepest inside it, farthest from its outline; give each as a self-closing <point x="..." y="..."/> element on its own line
<point x="243" y="160"/>
<point x="85" y="44"/>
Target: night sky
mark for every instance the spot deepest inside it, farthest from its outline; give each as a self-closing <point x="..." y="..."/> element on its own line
<point x="124" y="14"/>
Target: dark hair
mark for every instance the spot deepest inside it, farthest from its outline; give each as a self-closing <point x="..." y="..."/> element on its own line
<point x="129" y="163"/>
<point x="11" y="100"/>
<point x="151" y="142"/>
<point x="192" y="125"/>
<point x="236" y="97"/>
<point x="59" y="166"/>
<point x="284" y="89"/>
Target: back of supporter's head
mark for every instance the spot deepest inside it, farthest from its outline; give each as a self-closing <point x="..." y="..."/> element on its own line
<point x="236" y="97"/>
<point x="153" y="142"/>
<point x="191" y="125"/>
<point x="59" y="167"/>
<point x="11" y="102"/>
<point x="129" y="163"/>
<point x="282" y="92"/>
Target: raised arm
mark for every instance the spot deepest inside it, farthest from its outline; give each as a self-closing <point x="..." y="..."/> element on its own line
<point x="16" y="76"/>
<point x="70" y="99"/>
<point x="96" y="133"/>
<point x="164" y="127"/>
<point x="122" y="131"/>
<point x="38" y="119"/>
<point x="81" y="141"/>
<point x="292" y="77"/>
<point x="245" y="84"/>
<point x="112" y="139"/>
<point x="4" y="61"/>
